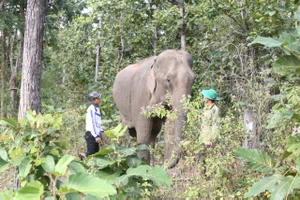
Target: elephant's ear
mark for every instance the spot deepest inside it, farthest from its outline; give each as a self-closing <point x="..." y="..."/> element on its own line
<point x="151" y="82"/>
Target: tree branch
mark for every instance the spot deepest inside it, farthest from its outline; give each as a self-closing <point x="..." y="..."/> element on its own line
<point x="178" y="3"/>
<point x="230" y="16"/>
<point x="2" y="5"/>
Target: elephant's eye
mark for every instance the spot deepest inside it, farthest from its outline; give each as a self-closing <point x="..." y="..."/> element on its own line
<point x="168" y="80"/>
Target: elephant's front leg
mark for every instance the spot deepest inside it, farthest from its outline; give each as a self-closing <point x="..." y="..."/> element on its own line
<point x="143" y="129"/>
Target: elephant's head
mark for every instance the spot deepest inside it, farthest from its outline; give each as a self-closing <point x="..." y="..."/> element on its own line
<point x="172" y="73"/>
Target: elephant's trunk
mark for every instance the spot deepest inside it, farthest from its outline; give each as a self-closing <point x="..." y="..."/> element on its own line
<point x="173" y="134"/>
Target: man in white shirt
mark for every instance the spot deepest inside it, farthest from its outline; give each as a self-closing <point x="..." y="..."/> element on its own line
<point x="93" y="125"/>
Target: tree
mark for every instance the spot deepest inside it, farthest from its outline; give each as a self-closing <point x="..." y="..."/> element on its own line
<point x="98" y="50"/>
<point x="14" y="83"/>
<point x="32" y="57"/>
<point x="3" y="63"/>
<point x="180" y="5"/>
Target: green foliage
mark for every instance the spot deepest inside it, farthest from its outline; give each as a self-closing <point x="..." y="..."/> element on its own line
<point x="155" y="174"/>
<point x="87" y="184"/>
<point x="162" y="111"/>
<point x="286" y="110"/>
<point x="116" y="133"/>
<point x="258" y="160"/>
<point x="217" y="36"/>
<point x="268" y="42"/>
<point x="278" y="185"/>
<point x="36" y="147"/>
<point x="216" y="173"/>
<point x="285" y="113"/>
<point x="32" y="190"/>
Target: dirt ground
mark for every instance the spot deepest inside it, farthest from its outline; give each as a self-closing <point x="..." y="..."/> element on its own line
<point x="7" y="179"/>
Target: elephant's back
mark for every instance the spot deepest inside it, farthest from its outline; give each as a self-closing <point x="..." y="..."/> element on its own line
<point x="126" y="85"/>
<point x="121" y="93"/>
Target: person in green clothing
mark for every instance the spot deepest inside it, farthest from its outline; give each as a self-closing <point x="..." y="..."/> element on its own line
<point x="210" y="118"/>
<point x="209" y="123"/>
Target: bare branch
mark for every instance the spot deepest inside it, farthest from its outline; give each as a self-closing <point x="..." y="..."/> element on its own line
<point x="231" y="17"/>
<point x="2" y="5"/>
<point x="178" y="3"/>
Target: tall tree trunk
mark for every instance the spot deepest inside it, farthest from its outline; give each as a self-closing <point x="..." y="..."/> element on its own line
<point x="98" y="51"/>
<point x="120" y="55"/>
<point x="11" y="64"/>
<point x="183" y="28"/>
<point x="3" y="66"/>
<point x="30" y="98"/>
<point x="12" y="48"/>
<point x="180" y="5"/>
<point x="155" y="41"/>
<point x="14" y="85"/>
<point x="3" y="72"/>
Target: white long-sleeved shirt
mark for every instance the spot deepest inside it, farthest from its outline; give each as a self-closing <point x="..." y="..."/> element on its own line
<point x="93" y="121"/>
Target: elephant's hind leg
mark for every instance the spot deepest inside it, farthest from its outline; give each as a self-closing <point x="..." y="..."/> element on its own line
<point x="157" y="124"/>
<point x="156" y="127"/>
<point x="132" y="132"/>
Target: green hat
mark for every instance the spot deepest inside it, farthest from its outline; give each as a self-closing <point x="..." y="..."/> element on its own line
<point x="211" y="94"/>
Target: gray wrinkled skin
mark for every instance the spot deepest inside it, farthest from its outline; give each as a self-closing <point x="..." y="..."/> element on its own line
<point x="146" y="83"/>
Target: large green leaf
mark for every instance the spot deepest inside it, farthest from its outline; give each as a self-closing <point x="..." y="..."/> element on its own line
<point x="17" y="160"/>
<point x="293" y="97"/>
<point x="49" y="198"/>
<point x="129" y="151"/>
<point x="284" y="156"/>
<point x="294" y="148"/>
<point x="103" y="151"/>
<point x="3" y="154"/>
<point x="155" y="174"/>
<point x="3" y="165"/>
<point x="283" y="188"/>
<point x="25" y="167"/>
<point x="109" y="174"/>
<point x="31" y="191"/>
<point x="116" y="132"/>
<point x="257" y="160"/>
<point x="73" y="196"/>
<point x="103" y="162"/>
<point x="122" y="181"/>
<point x="296" y="184"/>
<point x="133" y="161"/>
<point x="267" y="183"/>
<point x="298" y="163"/>
<point x="279" y="186"/>
<point x="48" y="164"/>
<point x="87" y="184"/>
<point x="77" y="167"/>
<point x="288" y="61"/>
<point x="89" y="197"/>
<point x="297" y="14"/>
<point x="274" y="119"/>
<point x="267" y="41"/>
<point x="10" y="122"/>
<point x="63" y="163"/>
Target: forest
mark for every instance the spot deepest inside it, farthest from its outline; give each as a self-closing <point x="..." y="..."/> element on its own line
<point x="54" y="53"/>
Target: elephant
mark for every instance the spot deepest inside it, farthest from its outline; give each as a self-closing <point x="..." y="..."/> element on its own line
<point x="146" y="83"/>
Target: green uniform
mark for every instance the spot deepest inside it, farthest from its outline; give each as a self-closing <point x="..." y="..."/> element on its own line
<point x="210" y="124"/>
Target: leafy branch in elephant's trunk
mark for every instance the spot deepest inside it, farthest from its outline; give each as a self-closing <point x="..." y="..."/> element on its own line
<point x="163" y="109"/>
<point x="159" y="110"/>
<point x="174" y="120"/>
